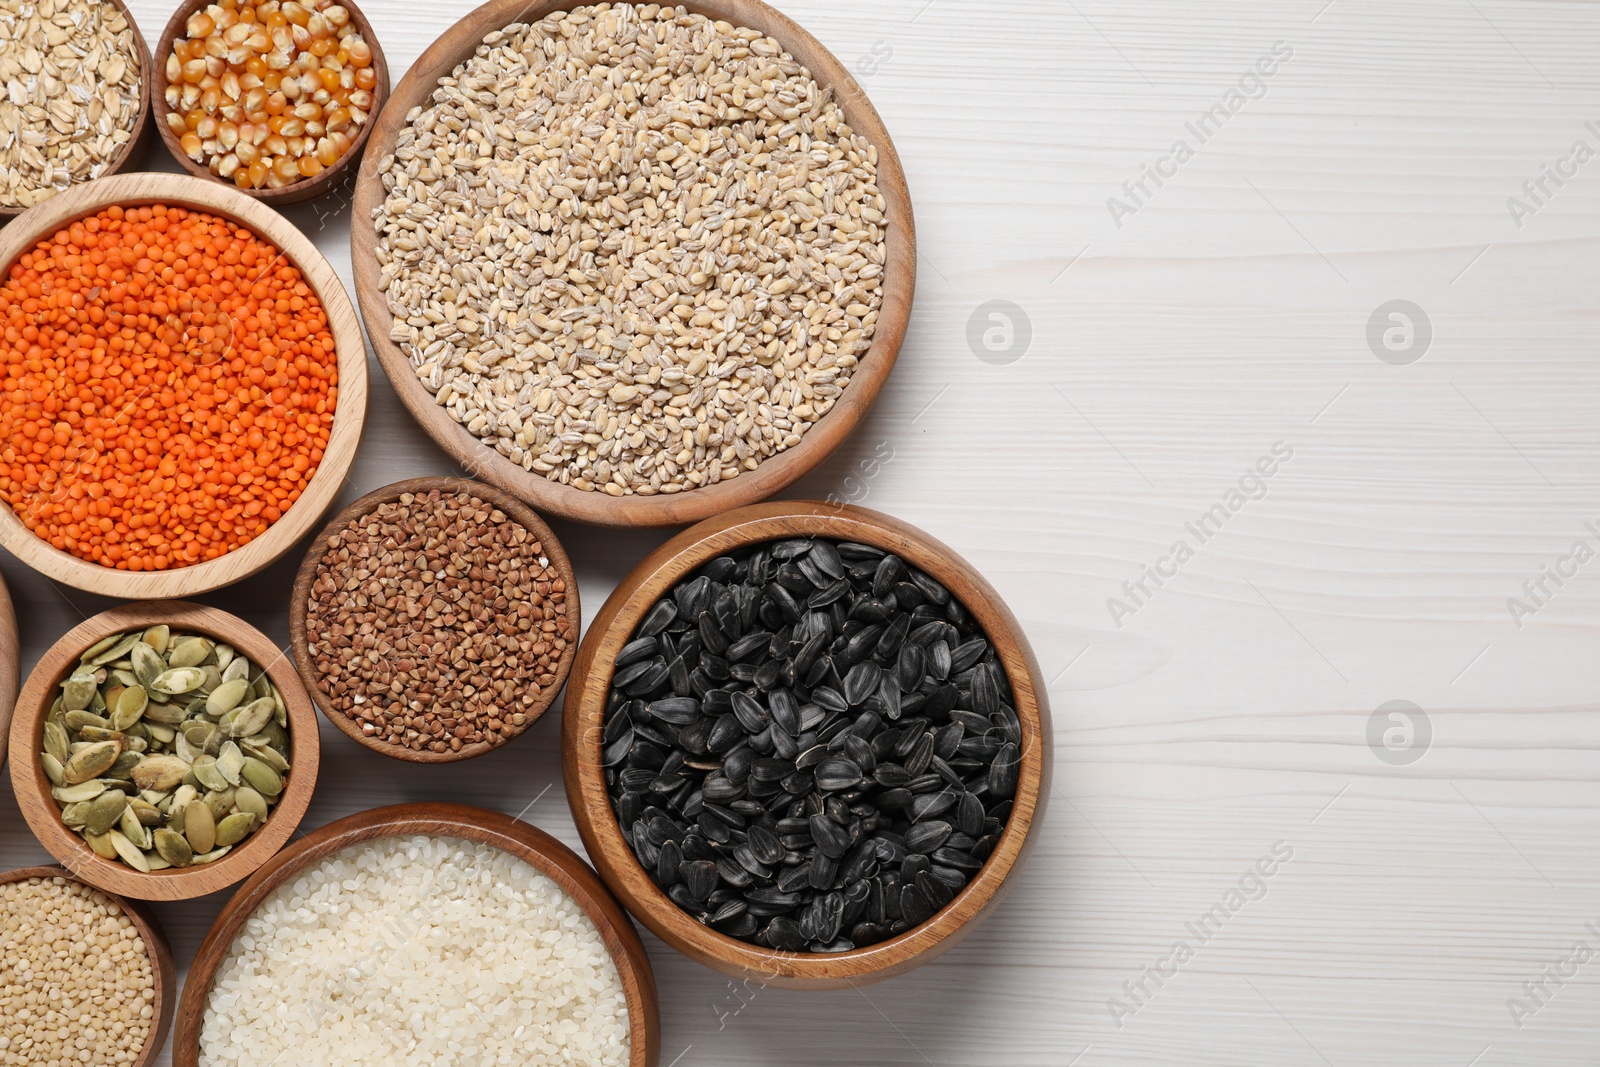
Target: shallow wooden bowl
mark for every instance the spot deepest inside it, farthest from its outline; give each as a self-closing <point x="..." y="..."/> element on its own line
<point x="130" y="190"/>
<point x="585" y="712"/>
<point x="155" y="943"/>
<point x="300" y="603"/>
<point x="777" y="473"/>
<point x="133" y="152"/>
<point x="302" y="190"/>
<point x="509" y="835"/>
<point x="44" y="814"/>
<point x="10" y="665"/>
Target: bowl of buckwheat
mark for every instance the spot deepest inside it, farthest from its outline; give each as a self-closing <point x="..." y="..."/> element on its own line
<point x="435" y="620"/>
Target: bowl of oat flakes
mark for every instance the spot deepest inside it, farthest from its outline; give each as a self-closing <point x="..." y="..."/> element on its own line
<point x="635" y="264"/>
<point x="74" y="97"/>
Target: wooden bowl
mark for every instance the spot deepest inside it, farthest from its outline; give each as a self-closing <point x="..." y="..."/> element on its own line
<point x="155" y="943"/>
<point x="300" y="603"/>
<point x="591" y="805"/>
<point x="509" y="835"/>
<point x="133" y="152"/>
<point x="10" y="665"/>
<point x="44" y="814"/>
<point x="456" y="45"/>
<point x="302" y="190"/>
<point x="345" y="436"/>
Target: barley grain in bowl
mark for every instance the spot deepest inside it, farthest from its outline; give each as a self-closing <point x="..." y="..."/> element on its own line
<point x="418" y="935"/>
<point x="659" y="276"/>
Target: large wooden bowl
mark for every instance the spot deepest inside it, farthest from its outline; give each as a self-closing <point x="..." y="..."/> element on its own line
<point x="585" y="778"/>
<point x="302" y="190"/>
<point x="775" y="474"/>
<point x="300" y="603"/>
<point x="155" y="943"/>
<point x="509" y="835"/>
<point x="10" y="665"/>
<point x="138" y="143"/>
<point x="44" y="814"/>
<point x="132" y="190"/>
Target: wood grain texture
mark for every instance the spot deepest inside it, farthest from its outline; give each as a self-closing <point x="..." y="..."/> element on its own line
<point x="300" y="603"/>
<point x="43" y="813"/>
<point x="534" y="847"/>
<point x="10" y="667"/>
<point x="773" y="475"/>
<point x="349" y="415"/>
<point x="298" y="192"/>
<point x="162" y="972"/>
<point x="133" y="151"/>
<point x="584" y="718"/>
<point x="1185" y="343"/>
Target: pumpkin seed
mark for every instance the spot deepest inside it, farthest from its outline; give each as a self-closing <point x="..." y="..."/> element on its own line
<point x="134" y="830"/>
<point x="261" y="778"/>
<point x="146" y="812"/>
<point x="78" y="718"/>
<point x="77" y="693"/>
<point x="130" y="705"/>
<point x="230" y="762"/>
<point x="101" y="843"/>
<point x="90" y="761"/>
<point x="225" y="697"/>
<point x="200" y="827"/>
<point x="220" y="802"/>
<point x="53" y="769"/>
<point x="101" y="645"/>
<point x="212" y="856"/>
<point x="132" y="856"/>
<point x="76" y="815"/>
<point x="157" y="637"/>
<point x="119" y="647"/>
<point x="235" y="828"/>
<point x="55" y="742"/>
<point x="72" y="794"/>
<point x="178" y="680"/>
<point x="237" y="670"/>
<point x="104" y="811"/>
<point x="205" y="769"/>
<point x="147" y="663"/>
<point x="252" y="718"/>
<point x="249" y="801"/>
<point x="160" y="772"/>
<point x="189" y="652"/>
<point x="173" y="848"/>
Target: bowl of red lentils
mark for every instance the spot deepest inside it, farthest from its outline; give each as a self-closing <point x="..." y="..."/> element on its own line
<point x="182" y="386"/>
<point x="274" y="97"/>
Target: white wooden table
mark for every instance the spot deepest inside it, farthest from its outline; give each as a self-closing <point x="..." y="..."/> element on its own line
<point x="1220" y="717"/>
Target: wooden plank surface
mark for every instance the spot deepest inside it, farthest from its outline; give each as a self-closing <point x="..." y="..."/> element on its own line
<point x="1226" y="713"/>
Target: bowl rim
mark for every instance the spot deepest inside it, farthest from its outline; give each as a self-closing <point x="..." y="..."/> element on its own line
<point x="344" y="436"/>
<point x="299" y="608"/>
<point x="163" y="971"/>
<point x="512" y="836"/>
<point x="298" y="192"/>
<point x="138" y="142"/>
<point x="594" y="507"/>
<point x="591" y="805"/>
<point x="43" y="814"/>
<point x="10" y="665"/>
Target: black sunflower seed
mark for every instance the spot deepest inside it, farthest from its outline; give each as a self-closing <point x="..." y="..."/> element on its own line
<point x="832" y="839"/>
<point x="834" y="775"/>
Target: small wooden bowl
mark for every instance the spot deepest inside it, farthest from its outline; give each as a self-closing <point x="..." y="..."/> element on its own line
<point x="775" y="474"/>
<point x="133" y="152"/>
<point x="10" y="665"/>
<point x="509" y="835"/>
<point x="131" y="190"/>
<point x="300" y="604"/>
<point x="585" y="714"/>
<point x="302" y="190"/>
<point x="155" y="943"/>
<point x="44" y="814"/>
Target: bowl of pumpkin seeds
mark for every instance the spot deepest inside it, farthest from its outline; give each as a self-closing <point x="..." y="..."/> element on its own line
<point x="164" y="751"/>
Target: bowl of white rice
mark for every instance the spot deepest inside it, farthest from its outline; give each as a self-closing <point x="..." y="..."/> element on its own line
<point x="418" y="935"/>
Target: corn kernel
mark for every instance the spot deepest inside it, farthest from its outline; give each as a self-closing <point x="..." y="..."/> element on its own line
<point x="310" y="167"/>
<point x="190" y="143"/>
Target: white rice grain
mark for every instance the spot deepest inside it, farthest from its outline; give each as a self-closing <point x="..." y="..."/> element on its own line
<point x="417" y="951"/>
